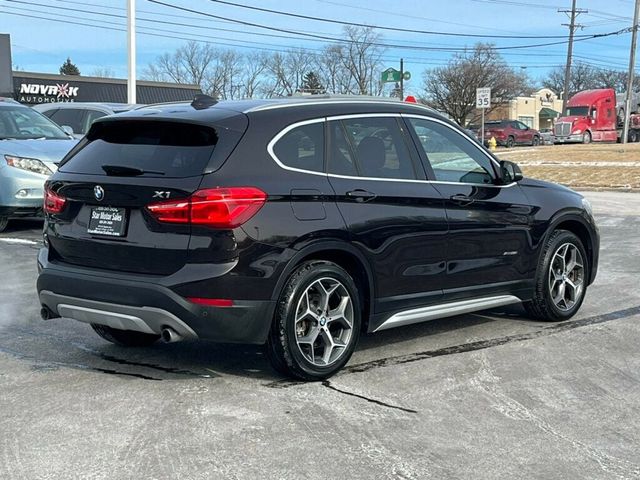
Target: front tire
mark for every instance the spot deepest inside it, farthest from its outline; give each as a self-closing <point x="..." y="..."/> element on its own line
<point x="561" y="279"/>
<point x="510" y="142"/>
<point x="125" y="338"/>
<point x="586" y="138"/>
<point x="317" y="322"/>
<point x="535" y="142"/>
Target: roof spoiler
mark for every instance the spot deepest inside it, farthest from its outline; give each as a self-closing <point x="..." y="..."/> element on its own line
<point x="202" y="101"/>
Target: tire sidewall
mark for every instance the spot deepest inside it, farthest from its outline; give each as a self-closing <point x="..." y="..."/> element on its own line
<point x="586" y="138"/>
<point x="510" y="142"/>
<point x="318" y="270"/>
<point x="556" y="242"/>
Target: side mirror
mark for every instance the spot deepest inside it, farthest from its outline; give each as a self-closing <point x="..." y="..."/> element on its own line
<point x="67" y="129"/>
<point x="510" y="172"/>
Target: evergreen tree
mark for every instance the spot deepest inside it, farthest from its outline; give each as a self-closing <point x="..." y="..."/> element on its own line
<point x="69" y="68"/>
<point x="311" y="84"/>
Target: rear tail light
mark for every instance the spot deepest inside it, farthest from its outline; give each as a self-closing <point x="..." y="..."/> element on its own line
<point x="214" y="207"/>
<point x="53" y="202"/>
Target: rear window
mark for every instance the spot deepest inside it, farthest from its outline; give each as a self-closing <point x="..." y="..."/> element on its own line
<point x="159" y="149"/>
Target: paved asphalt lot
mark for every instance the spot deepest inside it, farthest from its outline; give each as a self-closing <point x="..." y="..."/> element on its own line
<point x="491" y="395"/>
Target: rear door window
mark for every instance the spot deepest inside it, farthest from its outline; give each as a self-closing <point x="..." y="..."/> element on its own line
<point x="157" y="148"/>
<point x="379" y="147"/>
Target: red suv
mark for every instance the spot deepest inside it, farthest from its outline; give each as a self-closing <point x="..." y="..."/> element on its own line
<point x="511" y="132"/>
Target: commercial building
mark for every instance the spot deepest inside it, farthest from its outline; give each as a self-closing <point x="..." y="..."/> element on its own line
<point x="537" y="111"/>
<point x="36" y="88"/>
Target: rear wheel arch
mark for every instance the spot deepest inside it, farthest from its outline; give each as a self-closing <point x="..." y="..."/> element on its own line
<point x="345" y="256"/>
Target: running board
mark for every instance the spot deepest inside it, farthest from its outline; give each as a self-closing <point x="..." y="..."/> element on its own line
<point x="433" y="312"/>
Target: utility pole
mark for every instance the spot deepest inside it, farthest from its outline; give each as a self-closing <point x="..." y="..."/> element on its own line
<point x="131" y="49"/>
<point x="573" y="13"/>
<point x="632" y="65"/>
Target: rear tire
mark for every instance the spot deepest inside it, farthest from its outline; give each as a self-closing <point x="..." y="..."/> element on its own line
<point x="633" y="136"/>
<point x="561" y="279"/>
<point x="4" y="221"/>
<point x="125" y="338"/>
<point x="535" y="142"/>
<point x="510" y="142"/>
<point x="317" y="322"/>
<point x="586" y="138"/>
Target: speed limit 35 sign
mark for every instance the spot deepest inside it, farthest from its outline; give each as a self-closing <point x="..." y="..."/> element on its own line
<point x="483" y="97"/>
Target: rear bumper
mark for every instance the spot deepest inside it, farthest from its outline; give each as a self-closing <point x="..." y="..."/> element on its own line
<point x="136" y="302"/>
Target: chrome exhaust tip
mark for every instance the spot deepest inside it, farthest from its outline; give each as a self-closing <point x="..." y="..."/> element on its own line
<point x="169" y="335"/>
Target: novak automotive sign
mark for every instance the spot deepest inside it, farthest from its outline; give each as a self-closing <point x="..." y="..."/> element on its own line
<point x="47" y="93"/>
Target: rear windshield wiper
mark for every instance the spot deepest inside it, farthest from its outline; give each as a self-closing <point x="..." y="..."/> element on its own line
<point x="124" y="171"/>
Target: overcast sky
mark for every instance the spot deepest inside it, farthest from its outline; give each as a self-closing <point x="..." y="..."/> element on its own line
<point x="41" y="45"/>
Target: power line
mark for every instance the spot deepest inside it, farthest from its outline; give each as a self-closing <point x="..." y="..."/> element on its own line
<point x="381" y="27"/>
<point x="386" y="45"/>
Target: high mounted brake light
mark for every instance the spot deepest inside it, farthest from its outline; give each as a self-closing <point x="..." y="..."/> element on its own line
<point x="227" y="207"/>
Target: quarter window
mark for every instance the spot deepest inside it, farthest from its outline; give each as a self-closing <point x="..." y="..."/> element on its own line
<point x="452" y="157"/>
<point x="379" y="147"/>
<point x="302" y="147"/>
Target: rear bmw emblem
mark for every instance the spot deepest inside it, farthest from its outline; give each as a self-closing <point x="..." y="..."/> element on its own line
<point x="98" y="192"/>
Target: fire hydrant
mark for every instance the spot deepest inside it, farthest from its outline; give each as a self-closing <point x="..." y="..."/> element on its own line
<point x="492" y="143"/>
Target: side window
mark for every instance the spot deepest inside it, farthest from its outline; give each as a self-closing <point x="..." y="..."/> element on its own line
<point x="453" y="157"/>
<point x="50" y="113"/>
<point x="380" y="148"/>
<point x="89" y="119"/>
<point x="71" y="117"/>
<point x="341" y="158"/>
<point x="302" y="147"/>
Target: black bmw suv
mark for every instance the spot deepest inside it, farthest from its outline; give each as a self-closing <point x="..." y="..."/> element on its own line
<point x="300" y="223"/>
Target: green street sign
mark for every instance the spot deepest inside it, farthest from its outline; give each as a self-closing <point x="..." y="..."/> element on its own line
<point x="390" y="75"/>
<point x="406" y="76"/>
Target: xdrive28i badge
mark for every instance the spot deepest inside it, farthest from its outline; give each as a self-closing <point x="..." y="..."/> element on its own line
<point x="98" y="192"/>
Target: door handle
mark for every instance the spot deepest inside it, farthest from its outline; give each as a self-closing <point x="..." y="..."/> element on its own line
<point x="462" y="199"/>
<point x="360" y="195"/>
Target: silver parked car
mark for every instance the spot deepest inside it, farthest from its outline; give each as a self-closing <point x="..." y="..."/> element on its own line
<point x="30" y="146"/>
<point x="78" y="116"/>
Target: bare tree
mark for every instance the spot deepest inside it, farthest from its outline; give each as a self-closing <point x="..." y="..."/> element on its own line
<point x="331" y="71"/>
<point x="286" y="71"/>
<point x="452" y="88"/>
<point x="224" y="77"/>
<point x="255" y="65"/>
<point x="583" y="77"/>
<point x="103" y="72"/>
<point x="361" y="56"/>
<point x="188" y="64"/>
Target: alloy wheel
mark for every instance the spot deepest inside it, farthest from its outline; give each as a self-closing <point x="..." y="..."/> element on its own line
<point x="324" y="321"/>
<point x="566" y="277"/>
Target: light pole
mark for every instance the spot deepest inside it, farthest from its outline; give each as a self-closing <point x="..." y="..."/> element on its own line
<point x="632" y="63"/>
<point x="131" y="51"/>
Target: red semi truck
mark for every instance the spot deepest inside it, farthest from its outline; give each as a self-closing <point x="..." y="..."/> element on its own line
<point x="595" y="116"/>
